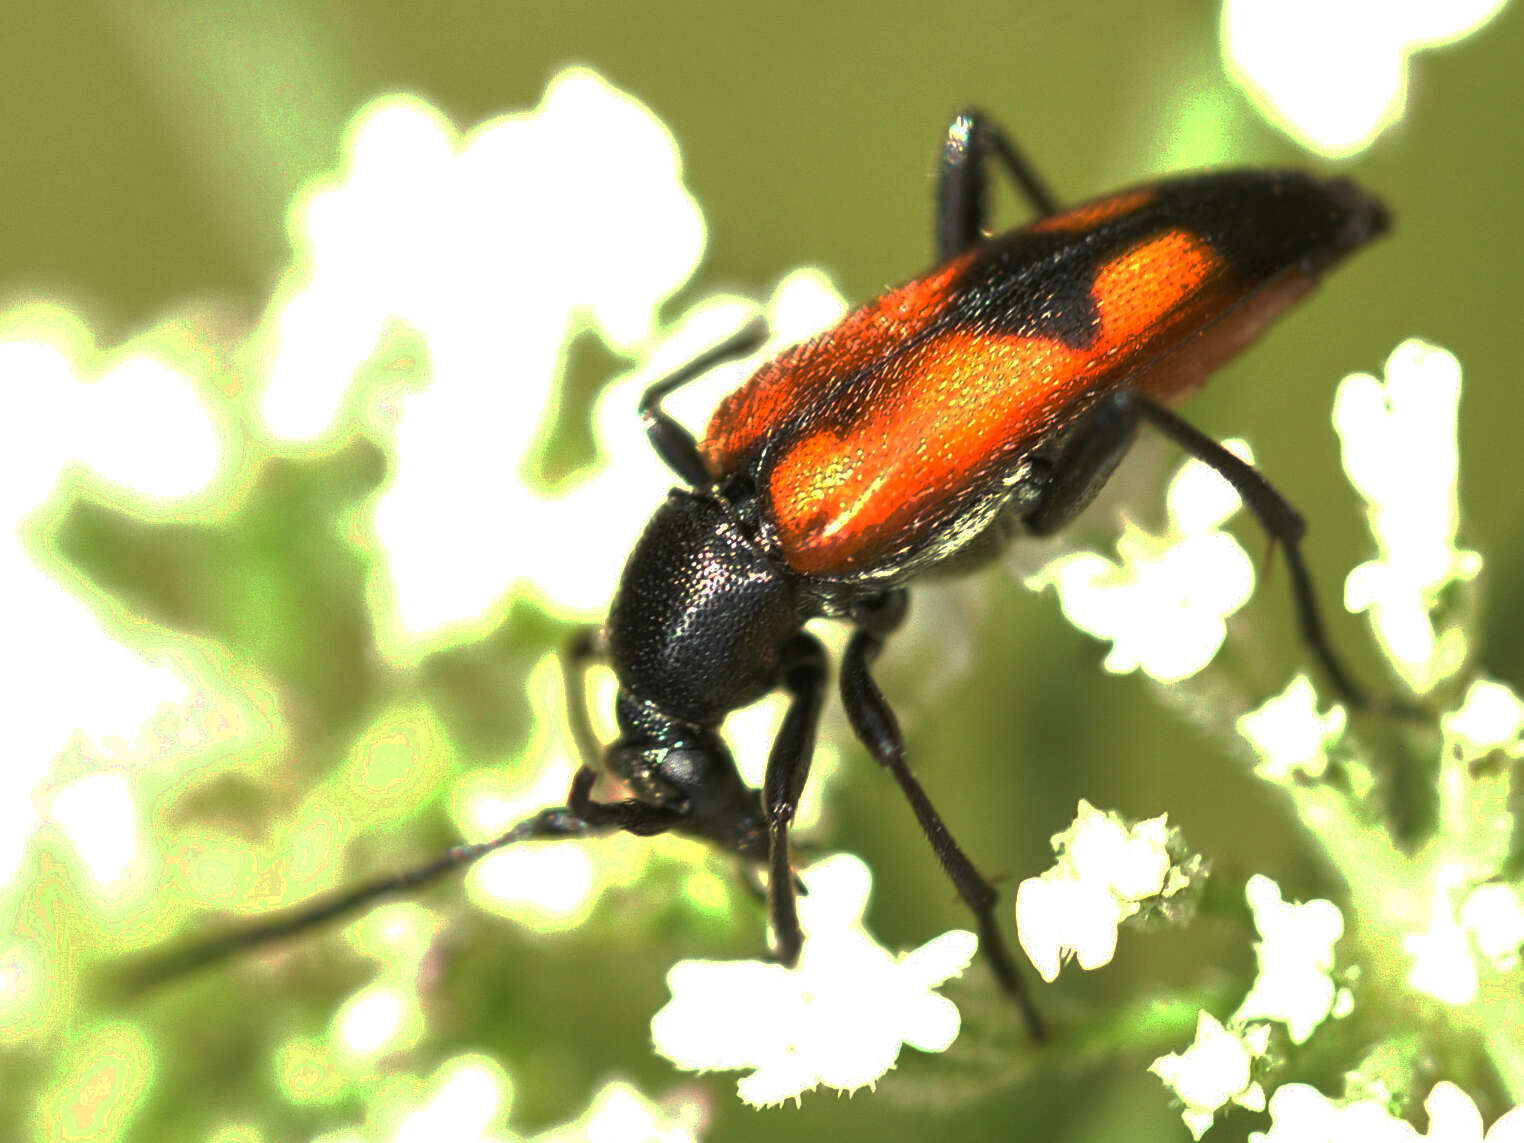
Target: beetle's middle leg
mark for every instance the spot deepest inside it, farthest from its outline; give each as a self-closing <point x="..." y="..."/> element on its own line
<point x="879" y="731"/>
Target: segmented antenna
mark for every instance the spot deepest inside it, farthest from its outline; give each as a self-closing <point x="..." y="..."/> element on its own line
<point x="557" y="822"/>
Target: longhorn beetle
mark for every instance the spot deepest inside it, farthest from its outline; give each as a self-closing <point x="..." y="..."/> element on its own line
<point x="986" y="399"/>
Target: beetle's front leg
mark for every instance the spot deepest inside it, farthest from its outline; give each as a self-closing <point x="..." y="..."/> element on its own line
<point x="631" y="815"/>
<point x="879" y="730"/>
<point x="803" y="675"/>
<point x="584" y="648"/>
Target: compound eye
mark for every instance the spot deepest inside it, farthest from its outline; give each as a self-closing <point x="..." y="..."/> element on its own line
<point x="685" y="768"/>
<point x="705" y="775"/>
<point x="643" y="770"/>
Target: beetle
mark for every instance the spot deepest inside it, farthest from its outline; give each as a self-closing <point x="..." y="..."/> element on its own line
<point x="986" y="399"/>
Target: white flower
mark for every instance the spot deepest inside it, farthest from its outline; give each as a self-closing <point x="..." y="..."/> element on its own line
<point x="1302" y="1114"/>
<point x="1291" y="737"/>
<point x="469" y="1098"/>
<point x="1443" y="966"/>
<point x="1453" y="1118"/>
<point x="1294" y="986"/>
<point x="838" y="1019"/>
<point x="1217" y="1069"/>
<point x="1165" y="602"/>
<point x="1490" y="717"/>
<point x="1494" y="916"/>
<point x="1106" y="871"/>
<point x="1333" y="74"/>
<point x="1412" y="508"/>
<point x="621" y="1113"/>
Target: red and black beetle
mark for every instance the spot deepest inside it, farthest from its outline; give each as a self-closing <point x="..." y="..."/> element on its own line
<point x="986" y="399"/>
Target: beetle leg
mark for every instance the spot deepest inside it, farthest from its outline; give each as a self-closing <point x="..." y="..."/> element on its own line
<point x="1092" y="451"/>
<point x="580" y="651"/>
<point x="1285" y="526"/>
<point x="972" y="139"/>
<point x="803" y="673"/>
<point x="756" y="888"/>
<point x="672" y="442"/>
<point x="1089" y="454"/>
<point x="581" y="817"/>
<point x="879" y="730"/>
<point x="630" y="814"/>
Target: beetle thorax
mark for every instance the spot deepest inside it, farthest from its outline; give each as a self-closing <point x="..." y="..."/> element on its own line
<point x="701" y="613"/>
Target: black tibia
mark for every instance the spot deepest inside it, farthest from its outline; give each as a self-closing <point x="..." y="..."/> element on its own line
<point x="626" y="815"/>
<point x="673" y="443"/>
<point x="879" y="731"/>
<point x="803" y="675"/>
<point x="972" y="140"/>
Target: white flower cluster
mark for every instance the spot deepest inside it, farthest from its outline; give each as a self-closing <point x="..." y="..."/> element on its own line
<point x="1412" y="508"/>
<point x="1300" y="1113"/>
<point x="1333" y="74"/>
<point x="1164" y="602"/>
<point x="1107" y="871"/>
<point x="1294" y="987"/>
<point x="839" y="1018"/>
<point x="469" y="1097"/>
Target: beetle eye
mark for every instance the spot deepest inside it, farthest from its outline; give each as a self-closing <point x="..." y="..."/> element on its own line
<point x="683" y="767"/>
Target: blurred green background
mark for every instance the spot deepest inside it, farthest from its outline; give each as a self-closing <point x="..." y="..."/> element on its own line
<point x="150" y="152"/>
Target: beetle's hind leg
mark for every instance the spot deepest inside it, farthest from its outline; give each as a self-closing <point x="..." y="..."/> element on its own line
<point x="1091" y="452"/>
<point x="972" y="140"/>
<point x="879" y="731"/>
<point x="1285" y="527"/>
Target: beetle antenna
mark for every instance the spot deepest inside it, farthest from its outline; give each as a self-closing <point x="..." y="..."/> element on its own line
<point x="159" y="969"/>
